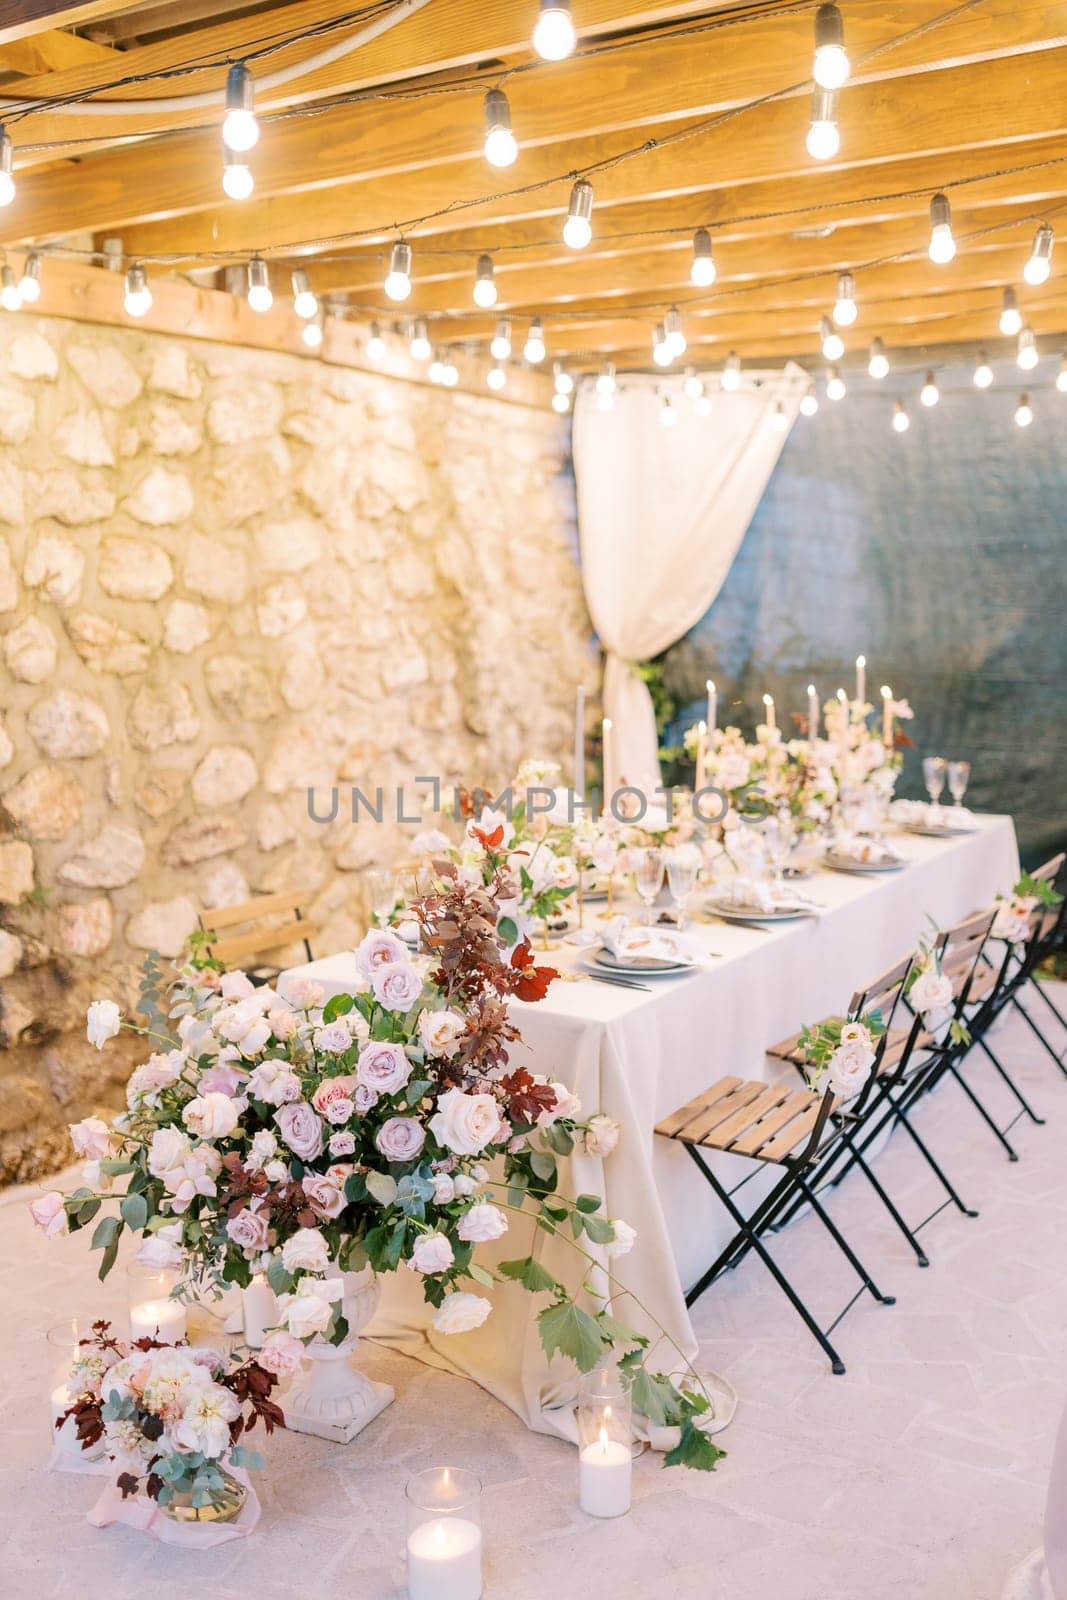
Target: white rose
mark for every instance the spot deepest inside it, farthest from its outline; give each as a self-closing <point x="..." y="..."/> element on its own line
<point x="460" y="1313"/>
<point x="333" y="1038"/>
<point x="482" y="1223"/>
<point x="440" y="1032"/>
<point x="236" y="986"/>
<point x="931" y="991"/>
<point x="466" y="1123"/>
<point x="308" y="1312"/>
<point x="623" y="1241"/>
<point x="432" y="1252"/>
<point x="464" y="1185"/>
<point x="275" y="1083"/>
<point x="306" y="1251"/>
<point x="444" y="1190"/>
<point x="211" y="1116"/>
<point x="567" y="1105"/>
<point x="169" y="1149"/>
<point x="602" y="1135"/>
<point x="102" y="1022"/>
<point x="264" y="1148"/>
<point x="91" y="1138"/>
<point x="850" y="1067"/>
<point x="162" y="1250"/>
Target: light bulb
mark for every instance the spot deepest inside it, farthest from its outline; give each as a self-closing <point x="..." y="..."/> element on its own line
<point x="693" y="387"/>
<point x="561" y="403"/>
<point x="831" y="66"/>
<point x="138" y="297"/>
<point x="1027" y="353"/>
<point x="1037" y="269"/>
<point x="7" y="158"/>
<point x="485" y="283"/>
<point x="1023" y="412"/>
<point x="237" y="179"/>
<point x="30" y="282"/>
<point x="845" y="308"/>
<point x="702" y="405"/>
<point x="449" y="373"/>
<point x="702" y="271"/>
<point x="534" y="348"/>
<point x="1011" y="318"/>
<point x="605" y="381"/>
<point x="553" y="36"/>
<point x="809" y="402"/>
<point x="419" y="346"/>
<point x="833" y="346"/>
<point x="375" y="346"/>
<point x="983" y="372"/>
<point x="10" y="298"/>
<point x="1061" y="376"/>
<point x="929" y="394"/>
<point x="240" y="130"/>
<point x="674" y="333"/>
<point x="779" y="418"/>
<point x="259" y="294"/>
<point x="304" y="302"/>
<point x="668" y="416"/>
<point x="562" y="381"/>
<point x="835" y="385"/>
<point x="496" y="377"/>
<point x="662" y="353"/>
<point x="878" y="365"/>
<point x="311" y="333"/>
<point x="824" y="140"/>
<point x="500" y="345"/>
<point x="605" y="400"/>
<point x="398" y="281"/>
<point x="942" y="245"/>
<point x="435" y="371"/>
<point x="731" y="372"/>
<point x="500" y="147"/>
<point x="901" y="420"/>
<point x="578" y="228"/>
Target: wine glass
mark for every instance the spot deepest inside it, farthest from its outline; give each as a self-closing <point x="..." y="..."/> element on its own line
<point x="934" y="777"/>
<point x="382" y="888"/>
<point x="959" y="776"/>
<point x="779" y="838"/>
<point x="682" y="880"/>
<point x="648" y="876"/>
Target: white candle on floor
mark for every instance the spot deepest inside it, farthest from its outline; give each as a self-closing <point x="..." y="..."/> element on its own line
<point x="604" y="1473"/>
<point x="445" y="1560"/>
<point x="158" y="1319"/>
<point x="260" y="1310"/>
<point x="65" y="1437"/>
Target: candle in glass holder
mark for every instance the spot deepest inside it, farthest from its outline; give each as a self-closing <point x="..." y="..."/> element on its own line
<point x="887" y="716"/>
<point x="813" y="712"/>
<point x="154" y="1314"/>
<point x="260" y="1310"/>
<point x="605" y="1463"/>
<point x="861" y="678"/>
<point x="768" y="710"/>
<point x="444" y="1547"/>
<point x="713" y="706"/>
<point x="66" y="1339"/>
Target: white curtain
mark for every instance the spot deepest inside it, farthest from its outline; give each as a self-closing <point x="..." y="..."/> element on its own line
<point x="661" y="514"/>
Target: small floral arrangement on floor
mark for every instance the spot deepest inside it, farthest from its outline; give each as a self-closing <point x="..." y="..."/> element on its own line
<point x="1014" y="913"/>
<point x="841" y="1054"/>
<point x="931" y="995"/>
<point x="170" y="1415"/>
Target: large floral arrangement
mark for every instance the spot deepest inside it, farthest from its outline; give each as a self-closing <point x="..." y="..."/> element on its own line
<point x="304" y="1142"/>
<point x="866" y="754"/>
<point x="171" y="1416"/>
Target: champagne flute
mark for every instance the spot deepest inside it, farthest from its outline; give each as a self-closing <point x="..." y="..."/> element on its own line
<point x="648" y="876"/>
<point x="934" y="777"/>
<point x="382" y="889"/>
<point x="959" y="776"/>
<point x="682" y="880"/>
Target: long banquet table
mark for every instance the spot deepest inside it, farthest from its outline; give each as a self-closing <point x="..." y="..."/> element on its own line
<point x="638" y="1056"/>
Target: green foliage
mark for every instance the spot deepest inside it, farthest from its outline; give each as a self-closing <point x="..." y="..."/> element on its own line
<point x="531" y="1274"/>
<point x="1038" y="889"/>
<point x="567" y="1330"/>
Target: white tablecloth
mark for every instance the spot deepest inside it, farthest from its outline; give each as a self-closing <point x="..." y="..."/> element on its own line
<point x="639" y="1056"/>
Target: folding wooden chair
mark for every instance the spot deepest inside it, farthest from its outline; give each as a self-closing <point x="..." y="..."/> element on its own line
<point x="265" y="933"/>
<point x="1045" y="939"/>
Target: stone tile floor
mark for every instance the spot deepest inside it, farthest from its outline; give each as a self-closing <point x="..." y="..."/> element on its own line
<point x="919" y="1473"/>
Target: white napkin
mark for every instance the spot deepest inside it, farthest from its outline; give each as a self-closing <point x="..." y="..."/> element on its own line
<point x="761" y="894"/>
<point x="858" y="847"/>
<point x="628" y="941"/>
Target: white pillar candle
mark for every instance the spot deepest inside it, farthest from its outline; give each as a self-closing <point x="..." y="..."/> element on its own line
<point x="260" y="1309"/>
<point x="713" y="707"/>
<point x="887" y="716"/>
<point x="158" y="1319"/>
<point x="65" y="1437"/>
<point x="768" y="710"/>
<point x="813" y="713"/>
<point x="861" y="678"/>
<point x="445" y="1560"/>
<point x="605" y="1470"/>
<point x="579" y="743"/>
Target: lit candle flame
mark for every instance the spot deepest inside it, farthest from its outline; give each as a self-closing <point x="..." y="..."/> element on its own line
<point x="604" y="1440"/>
<point x="710" y="685"/>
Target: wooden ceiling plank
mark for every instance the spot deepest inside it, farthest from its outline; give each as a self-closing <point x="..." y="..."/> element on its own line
<point x="21" y="19"/>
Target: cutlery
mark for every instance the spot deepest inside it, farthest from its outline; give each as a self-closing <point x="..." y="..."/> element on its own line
<point x="738" y="922"/>
<point x="619" y="983"/>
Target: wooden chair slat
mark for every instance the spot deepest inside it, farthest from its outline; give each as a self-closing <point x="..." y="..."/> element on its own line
<point x="1048" y="870"/>
<point x="794" y="1134"/>
<point x="264" y="905"/>
<point x="261" y="940"/>
<point x="786" y="1049"/>
<point x="749" y="1143"/>
<point x="697" y="1130"/>
<point x="723" y="1136"/>
<point x="670" y="1126"/>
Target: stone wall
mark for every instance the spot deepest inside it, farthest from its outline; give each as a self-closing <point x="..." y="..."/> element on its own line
<point x="226" y="576"/>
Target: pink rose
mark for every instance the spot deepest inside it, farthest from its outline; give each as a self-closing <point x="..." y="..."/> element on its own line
<point x="342" y="1144"/>
<point x="339" y="1111"/>
<point x="365" y="1099"/>
<point x="301" y="1129"/>
<point x="223" y="1078"/>
<point x="331" y="1089"/>
<point x="379" y="949"/>
<point x="235" y="986"/>
<point x="383" y="1067"/>
<point x="326" y="1190"/>
<point x="396" y="986"/>
<point x="50" y="1214"/>
<point x="304" y="993"/>
<point x="333" y="1038"/>
<point x="281" y="1354"/>
<point x="248" y="1229"/>
<point x="400" y="1138"/>
<point x="91" y="1139"/>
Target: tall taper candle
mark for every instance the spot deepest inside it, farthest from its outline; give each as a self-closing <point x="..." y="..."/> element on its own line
<point x="887" y="716"/>
<point x="609" y="767"/>
<point x="813" y="712"/>
<point x="702" y="755"/>
<point x="713" y="707"/>
<point x="768" y="711"/>
<point x="579" y="743"/>
<point x="861" y="678"/>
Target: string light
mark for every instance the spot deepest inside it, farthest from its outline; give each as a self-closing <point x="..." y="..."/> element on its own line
<point x="1023" y="413"/>
<point x="702" y="272"/>
<point x="449" y="373"/>
<point x="878" y="365"/>
<point x="375" y="346"/>
<point x="1061" y="376"/>
<point x="138" y="298"/>
<point x="845" y="308"/>
<point x="1037" y="269"/>
<point x="668" y="416"/>
<point x="702" y="405"/>
<point x="311" y="333"/>
<point x="436" y="370"/>
<point x="693" y="387"/>
<point x="942" y="248"/>
<point x="496" y="377"/>
<point x="606" y="384"/>
<point x="833" y="346"/>
<point x="779" y="417"/>
<point x="237" y="179"/>
<point x="1026" y="355"/>
<point x="835" y="385"/>
<point x="304" y="302"/>
<point x="578" y="228"/>
<point x="561" y="403"/>
<point x="30" y="282"/>
<point x="419" y="346"/>
<point x="662" y="353"/>
<point x="731" y="372"/>
<point x="553" y="36"/>
<point x="562" y="381"/>
<point x="10" y="298"/>
<point x="534" y="348"/>
<point x="240" y="130"/>
<point x="501" y="149"/>
<point x="674" y="333"/>
<point x="809" y="402"/>
<point x="824" y="139"/>
<point x="398" y="281"/>
<point x="901" y="420"/>
<point x="983" y="372"/>
<point x="484" y="283"/>
<point x="7" y="161"/>
<point x="831" y="66"/>
<point x="1011" y="319"/>
<point x="259" y="292"/>
<point x="929" y="394"/>
<point x="500" y="344"/>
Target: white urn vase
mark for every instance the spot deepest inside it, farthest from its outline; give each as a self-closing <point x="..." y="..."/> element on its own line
<point x="331" y="1398"/>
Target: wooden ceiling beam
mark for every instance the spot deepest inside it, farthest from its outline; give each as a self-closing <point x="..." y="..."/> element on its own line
<point x="21" y="19"/>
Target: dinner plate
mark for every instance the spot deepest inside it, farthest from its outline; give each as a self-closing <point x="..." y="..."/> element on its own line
<point x="736" y="913"/>
<point x="846" y="864"/>
<point x="649" y="968"/>
<point x="928" y="831"/>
